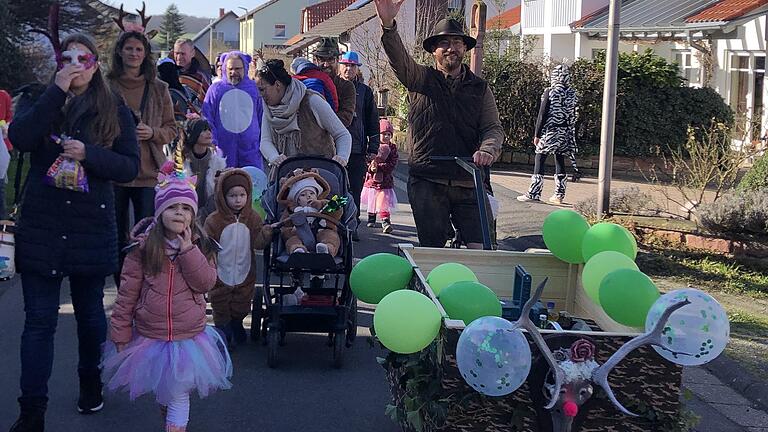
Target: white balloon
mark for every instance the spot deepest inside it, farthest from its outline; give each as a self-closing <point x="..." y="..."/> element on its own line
<point x="493" y="356"/>
<point x="696" y="333"/>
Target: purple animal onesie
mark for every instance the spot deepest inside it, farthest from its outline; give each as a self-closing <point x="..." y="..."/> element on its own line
<point x="234" y="113"/>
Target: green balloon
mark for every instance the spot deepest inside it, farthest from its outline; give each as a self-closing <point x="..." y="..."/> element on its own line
<point x="468" y="301"/>
<point x="563" y="233"/>
<point x="448" y="273"/>
<point x="256" y="204"/>
<point x="627" y="295"/>
<point x="607" y="236"/>
<point x="406" y="321"/>
<point x="377" y="275"/>
<point x="600" y="265"/>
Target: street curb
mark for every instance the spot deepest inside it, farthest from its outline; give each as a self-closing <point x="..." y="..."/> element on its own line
<point x="736" y="377"/>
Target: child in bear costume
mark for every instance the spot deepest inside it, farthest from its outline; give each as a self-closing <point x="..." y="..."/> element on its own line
<point x="306" y="191"/>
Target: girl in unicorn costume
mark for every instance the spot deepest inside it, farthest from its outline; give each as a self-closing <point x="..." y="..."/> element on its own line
<point x="159" y="342"/>
<point x="233" y="107"/>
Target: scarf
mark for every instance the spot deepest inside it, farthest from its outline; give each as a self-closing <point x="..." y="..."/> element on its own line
<point x="283" y="118"/>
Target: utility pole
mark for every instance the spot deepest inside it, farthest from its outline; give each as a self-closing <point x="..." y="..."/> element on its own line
<point x="609" y="111"/>
<point x="477" y="31"/>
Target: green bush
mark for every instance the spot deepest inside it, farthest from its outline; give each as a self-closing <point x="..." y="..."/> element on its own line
<point x="757" y="176"/>
<point x="653" y="109"/>
<point x="517" y="87"/>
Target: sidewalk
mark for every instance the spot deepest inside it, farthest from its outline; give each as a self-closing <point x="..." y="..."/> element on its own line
<point x="721" y="408"/>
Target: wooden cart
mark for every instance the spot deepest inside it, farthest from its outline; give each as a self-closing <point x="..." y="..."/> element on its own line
<point x="643" y="382"/>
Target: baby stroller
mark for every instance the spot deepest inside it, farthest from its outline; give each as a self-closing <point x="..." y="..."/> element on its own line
<point x="330" y="306"/>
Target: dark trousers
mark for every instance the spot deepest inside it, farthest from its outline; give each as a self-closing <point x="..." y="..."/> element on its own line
<point x="356" y="169"/>
<point x="143" y="200"/>
<point x="541" y="158"/>
<point x="436" y="206"/>
<point x="41" y="305"/>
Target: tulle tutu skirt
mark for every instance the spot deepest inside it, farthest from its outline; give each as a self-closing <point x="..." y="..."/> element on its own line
<point x="168" y="368"/>
<point x="377" y="201"/>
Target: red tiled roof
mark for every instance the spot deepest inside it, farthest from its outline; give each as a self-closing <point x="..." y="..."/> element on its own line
<point x="726" y="10"/>
<point x="504" y="20"/>
<point x="320" y="12"/>
<point x="587" y="18"/>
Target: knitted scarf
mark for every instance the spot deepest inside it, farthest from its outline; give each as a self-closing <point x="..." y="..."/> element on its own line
<point x="283" y="119"/>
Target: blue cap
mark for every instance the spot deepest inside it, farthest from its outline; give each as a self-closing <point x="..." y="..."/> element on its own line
<point x="350" y="57"/>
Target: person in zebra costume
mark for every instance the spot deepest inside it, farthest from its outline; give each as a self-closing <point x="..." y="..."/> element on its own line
<point x="555" y="134"/>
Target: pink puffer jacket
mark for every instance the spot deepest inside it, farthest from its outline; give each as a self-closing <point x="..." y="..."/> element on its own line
<point x="169" y="305"/>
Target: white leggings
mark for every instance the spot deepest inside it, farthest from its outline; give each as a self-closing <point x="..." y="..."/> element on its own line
<point x="178" y="411"/>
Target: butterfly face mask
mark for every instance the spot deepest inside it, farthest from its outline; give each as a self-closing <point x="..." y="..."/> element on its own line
<point x="76" y="56"/>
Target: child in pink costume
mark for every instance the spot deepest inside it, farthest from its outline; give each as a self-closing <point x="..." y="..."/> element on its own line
<point x="379" y="189"/>
<point x="159" y="342"/>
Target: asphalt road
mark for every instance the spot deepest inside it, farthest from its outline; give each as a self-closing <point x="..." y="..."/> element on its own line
<point x="303" y="393"/>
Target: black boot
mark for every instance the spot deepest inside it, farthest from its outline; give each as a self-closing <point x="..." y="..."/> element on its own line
<point x="91" y="396"/>
<point x="371" y="220"/>
<point x="32" y="417"/>
<point x="238" y="332"/>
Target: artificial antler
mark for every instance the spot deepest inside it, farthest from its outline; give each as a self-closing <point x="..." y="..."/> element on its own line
<point x="53" y="28"/>
<point x="653" y="337"/>
<point x="144" y="19"/>
<point x="119" y="19"/>
<point x="525" y="322"/>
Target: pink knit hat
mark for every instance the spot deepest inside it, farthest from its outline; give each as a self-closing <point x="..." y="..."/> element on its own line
<point x="386" y="126"/>
<point x="174" y="186"/>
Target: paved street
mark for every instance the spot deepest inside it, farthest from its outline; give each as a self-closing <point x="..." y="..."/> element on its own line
<point x="305" y="393"/>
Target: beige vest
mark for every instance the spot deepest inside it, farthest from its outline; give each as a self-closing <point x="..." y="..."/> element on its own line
<point x="313" y="140"/>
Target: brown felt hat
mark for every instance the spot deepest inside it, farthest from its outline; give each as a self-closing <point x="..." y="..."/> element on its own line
<point x="448" y="27"/>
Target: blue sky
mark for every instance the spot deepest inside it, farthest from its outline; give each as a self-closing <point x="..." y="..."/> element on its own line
<point x="200" y="8"/>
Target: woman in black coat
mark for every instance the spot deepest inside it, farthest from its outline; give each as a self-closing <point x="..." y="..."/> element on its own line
<point x="65" y="233"/>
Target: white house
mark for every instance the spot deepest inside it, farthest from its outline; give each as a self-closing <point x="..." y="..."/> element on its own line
<point x="270" y="24"/>
<point x="728" y="34"/>
<point x="221" y="34"/>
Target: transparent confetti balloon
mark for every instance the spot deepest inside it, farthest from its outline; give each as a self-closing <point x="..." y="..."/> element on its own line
<point x="493" y="357"/>
<point x="696" y="333"/>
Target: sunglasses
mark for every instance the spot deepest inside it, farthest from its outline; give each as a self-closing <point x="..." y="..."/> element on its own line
<point x="75" y="57"/>
<point x="266" y="70"/>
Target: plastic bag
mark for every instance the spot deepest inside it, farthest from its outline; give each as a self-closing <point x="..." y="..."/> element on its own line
<point x="66" y="173"/>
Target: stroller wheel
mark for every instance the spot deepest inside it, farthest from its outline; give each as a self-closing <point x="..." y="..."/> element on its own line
<point x="257" y="313"/>
<point x="339" y="340"/>
<point x="273" y="342"/>
<point x="352" y="322"/>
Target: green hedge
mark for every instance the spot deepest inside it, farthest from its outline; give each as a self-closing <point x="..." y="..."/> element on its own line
<point x="654" y="107"/>
<point x="757" y="177"/>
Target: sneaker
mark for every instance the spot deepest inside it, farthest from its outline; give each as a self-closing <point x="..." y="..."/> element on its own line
<point x="386" y="226"/>
<point x="321" y="248"/>
<point x="91" y="398"/>
<point x="554" y="199"/>
<point x="238" y="332"/>
<point x="371" y="220"/>
<point x="576" y="176"/>
<point x="526" y="198"/>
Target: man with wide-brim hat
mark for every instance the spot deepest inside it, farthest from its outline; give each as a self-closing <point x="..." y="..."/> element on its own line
<point x="452" y="112"/>
<point x="326" y="56"/>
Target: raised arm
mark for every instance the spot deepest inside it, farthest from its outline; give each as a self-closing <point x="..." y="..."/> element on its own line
<point x="408" y="72"/>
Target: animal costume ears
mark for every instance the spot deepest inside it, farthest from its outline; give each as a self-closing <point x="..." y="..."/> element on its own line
<point x="135" y="27"/>
<point x="53" y="30"/>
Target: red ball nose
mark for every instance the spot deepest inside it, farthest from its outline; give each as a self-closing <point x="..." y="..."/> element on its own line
<point x="570" y="409"/>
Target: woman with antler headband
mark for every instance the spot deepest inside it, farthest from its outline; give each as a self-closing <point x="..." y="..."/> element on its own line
<point x="134" y="76"/>
<point x="65" y="230"/>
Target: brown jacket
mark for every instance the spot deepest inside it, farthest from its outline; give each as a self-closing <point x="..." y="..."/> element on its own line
<point x="158" y="114"/>
<point x="447" y="117"/>
<point x="347" y="99"/>
<point x="228" y="228"/>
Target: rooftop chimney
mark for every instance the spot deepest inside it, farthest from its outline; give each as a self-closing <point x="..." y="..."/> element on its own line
<point x="221" y="12"/>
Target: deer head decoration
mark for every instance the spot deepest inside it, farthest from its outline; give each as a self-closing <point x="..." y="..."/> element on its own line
<point x="132" y="26"/>
<point x="574" y="372"/>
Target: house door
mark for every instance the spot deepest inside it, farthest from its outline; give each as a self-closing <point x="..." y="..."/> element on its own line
<point x="746" y="96"/>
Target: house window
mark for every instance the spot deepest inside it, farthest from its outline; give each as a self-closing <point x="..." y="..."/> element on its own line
<point x="279" y="31"/>
<point x="747" y="72"/>
<point x="689" y="67"/>
<point x="218" y="36"/>
<point x="455" y="5"/>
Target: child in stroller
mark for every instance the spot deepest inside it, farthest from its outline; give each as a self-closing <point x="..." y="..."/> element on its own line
<point x="320" y="274"/>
